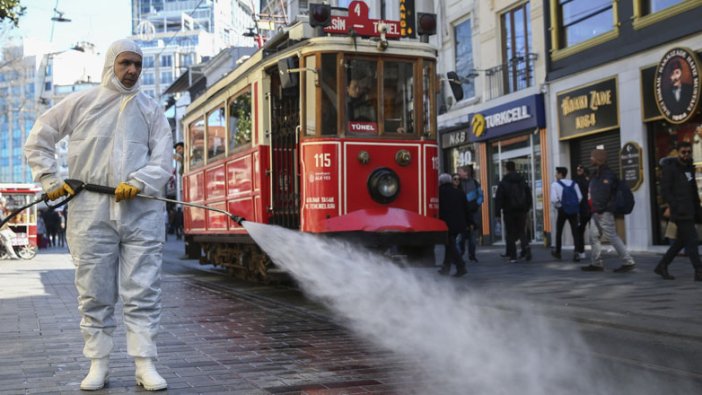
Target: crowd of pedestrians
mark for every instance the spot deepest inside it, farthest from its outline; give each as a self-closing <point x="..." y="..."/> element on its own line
<point x="590" y="200"/>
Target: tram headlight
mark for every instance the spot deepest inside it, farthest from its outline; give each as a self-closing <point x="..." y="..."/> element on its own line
<point x="384" y="185"/>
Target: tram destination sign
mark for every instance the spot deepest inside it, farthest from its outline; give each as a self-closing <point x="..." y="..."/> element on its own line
<point x="631" y="165"/>
<point x="588" y="109"/>
<point x="358" y="21"/>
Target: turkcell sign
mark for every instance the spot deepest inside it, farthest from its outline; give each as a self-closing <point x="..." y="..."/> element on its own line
<point x="513" y="117"/>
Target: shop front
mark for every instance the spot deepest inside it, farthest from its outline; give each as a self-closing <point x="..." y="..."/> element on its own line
<point x="671" y="93"/>
<point x="513" y="131"/>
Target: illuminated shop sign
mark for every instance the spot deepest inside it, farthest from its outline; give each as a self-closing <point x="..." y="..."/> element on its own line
<point x="588" y="109"/>
<point x="512" y="117"/>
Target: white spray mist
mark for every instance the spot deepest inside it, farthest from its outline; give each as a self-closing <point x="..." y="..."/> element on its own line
<point x="465" y="343"/>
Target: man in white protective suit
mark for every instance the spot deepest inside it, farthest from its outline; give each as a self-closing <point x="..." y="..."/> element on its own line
<point x="117" y="136"/>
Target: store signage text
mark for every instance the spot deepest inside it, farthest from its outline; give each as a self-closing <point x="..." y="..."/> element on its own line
<point x="588" y="109"/>
<point x="508" y="116"/>
<point x="453" y="139"/>
<point x="407" y="18"/>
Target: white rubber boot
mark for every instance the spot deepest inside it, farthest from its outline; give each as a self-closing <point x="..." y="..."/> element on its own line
<point x="147" y="376"/>
<point x="97" y="375"/>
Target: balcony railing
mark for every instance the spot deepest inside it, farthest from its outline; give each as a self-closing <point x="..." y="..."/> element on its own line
<point x="513" y="76"/>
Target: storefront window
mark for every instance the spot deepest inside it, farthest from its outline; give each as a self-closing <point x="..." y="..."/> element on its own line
<point x="581" y="20"/>
<point x="664" y="139"/>
<point x="525" y="152"/>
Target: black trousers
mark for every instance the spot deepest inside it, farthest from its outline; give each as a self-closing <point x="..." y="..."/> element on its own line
<point x="687" y="238"/>
<point x="561" y="218"/>
<point x="582" y="225"/>
<point x="515" y="228"/>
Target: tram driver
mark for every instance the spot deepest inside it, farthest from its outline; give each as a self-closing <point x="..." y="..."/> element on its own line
<point x="359" y="107"/>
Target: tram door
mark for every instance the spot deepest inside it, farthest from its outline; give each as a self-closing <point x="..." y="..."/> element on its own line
<point x="284" y="111"/>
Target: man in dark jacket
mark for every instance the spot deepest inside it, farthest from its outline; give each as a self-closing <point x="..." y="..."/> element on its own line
<point x="679" y="190"/>
<point x="513" y="199"/>
<point x="453" y="208"/>
<point x="603" y="186"/>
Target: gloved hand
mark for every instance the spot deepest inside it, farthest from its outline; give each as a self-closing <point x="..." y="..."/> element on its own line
<point x="62" y="189"/>
<point x="125" y="191"/>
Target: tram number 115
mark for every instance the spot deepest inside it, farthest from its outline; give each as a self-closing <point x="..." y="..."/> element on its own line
<point x="322" y="160"/>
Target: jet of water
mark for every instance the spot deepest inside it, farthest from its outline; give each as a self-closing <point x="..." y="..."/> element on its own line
<point x="465" y="343"/>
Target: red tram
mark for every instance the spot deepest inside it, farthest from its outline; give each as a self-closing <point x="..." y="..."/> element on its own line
<point x="328" y="132"/>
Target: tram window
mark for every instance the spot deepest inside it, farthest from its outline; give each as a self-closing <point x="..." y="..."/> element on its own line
<point x="427" y="72"/>
<point x="361" y="97"/>
<point x="239" y="121"/>
<point x="328" y="80"/>
<point x="398" y="97"/>
<point x="196" y="136"/>
<point x="215" y="134"/>
<point x="310" y="98"/>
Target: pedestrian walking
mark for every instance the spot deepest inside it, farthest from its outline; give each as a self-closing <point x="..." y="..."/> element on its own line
<point x="603" y="186"/>
<point x="452" y="210"/>
<point x="474" y="195"/>
<point x="582" y="178"/>
<point x="679" y="190"/>
<point x="566" y="198"/>
<point x="118" y="136"/>
<point x="513" y="201"/>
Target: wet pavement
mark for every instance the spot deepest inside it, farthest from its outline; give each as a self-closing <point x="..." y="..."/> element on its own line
<point x="219" y="335"/>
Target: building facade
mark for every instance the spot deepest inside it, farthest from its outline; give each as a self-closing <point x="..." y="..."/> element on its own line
<point x="495" y="112"/>
<point x="611" y="72"/>
<point x="177" y="34"/>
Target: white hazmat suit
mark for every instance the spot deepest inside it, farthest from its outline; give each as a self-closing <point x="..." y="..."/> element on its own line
<point x="115" y="134"/>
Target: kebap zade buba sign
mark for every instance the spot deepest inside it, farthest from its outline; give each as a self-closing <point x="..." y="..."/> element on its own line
<point x="677" y="85"/>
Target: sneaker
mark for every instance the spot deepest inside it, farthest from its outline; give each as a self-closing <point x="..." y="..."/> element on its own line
<point x="513" y="261"/>
<point x="460" y="273"/>
<point x="473" y="259"/>
<point x="582" y="255"/>
<point x="556" y="255"/>
<point x="576" y="257"/>
<point x="624" y="268"/>
<point x="443" y="272"/>
<point x="592" y="268"/>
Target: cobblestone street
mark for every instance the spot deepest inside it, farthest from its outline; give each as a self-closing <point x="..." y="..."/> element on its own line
<point x="219" y="335"/>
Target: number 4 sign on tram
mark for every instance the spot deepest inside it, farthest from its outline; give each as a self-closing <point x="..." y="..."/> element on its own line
<point x="360" y="23"/>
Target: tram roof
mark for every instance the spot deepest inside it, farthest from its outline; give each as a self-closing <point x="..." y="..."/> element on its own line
<point x="300" y="39"/>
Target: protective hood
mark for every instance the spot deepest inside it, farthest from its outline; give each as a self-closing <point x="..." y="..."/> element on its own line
<point x="109" y="79"/>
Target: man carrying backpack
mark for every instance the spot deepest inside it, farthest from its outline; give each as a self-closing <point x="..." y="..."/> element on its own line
<point x="513" y="199"/>
<point x="603" y="188"/>
<point x="566" y="197"/>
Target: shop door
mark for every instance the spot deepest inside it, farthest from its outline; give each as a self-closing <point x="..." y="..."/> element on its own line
<point x="525" y="152"/>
